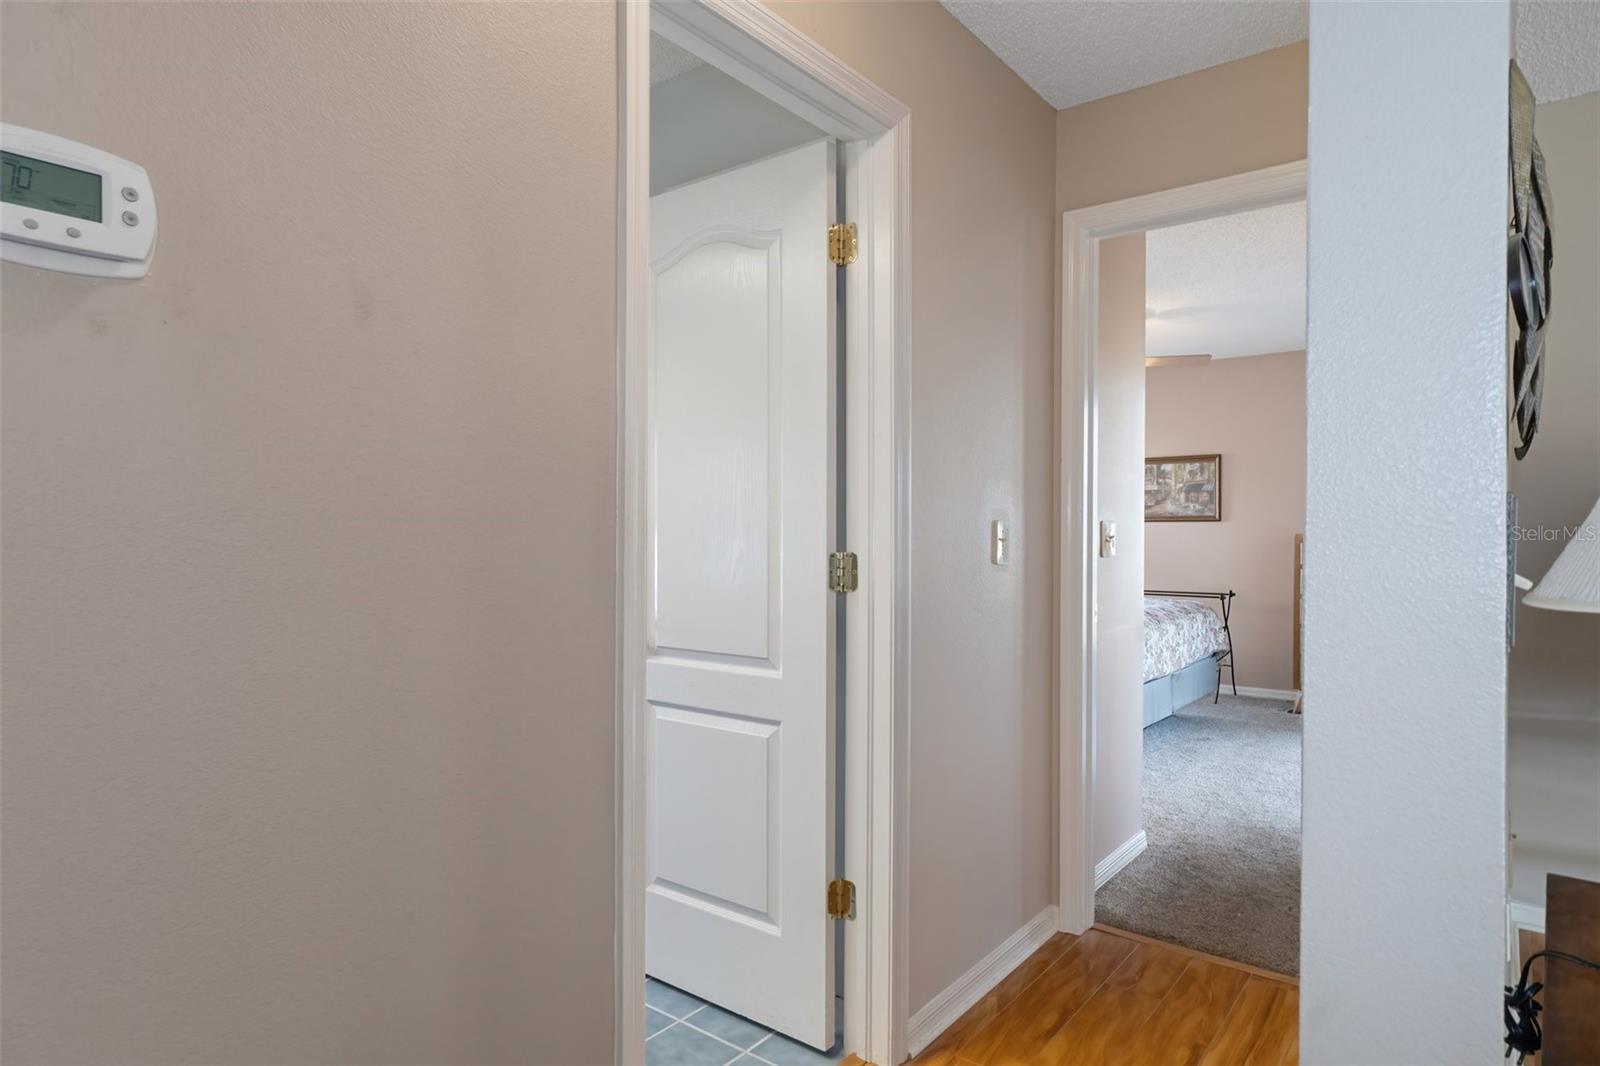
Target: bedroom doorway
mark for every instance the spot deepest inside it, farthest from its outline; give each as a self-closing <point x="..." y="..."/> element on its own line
<point x="1184" y="339"/>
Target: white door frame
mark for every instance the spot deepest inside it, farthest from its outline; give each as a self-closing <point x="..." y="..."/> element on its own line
<point x="746" y="40"/>
<point x="1081" y="233"/>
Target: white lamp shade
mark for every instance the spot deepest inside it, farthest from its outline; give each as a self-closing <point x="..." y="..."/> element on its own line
<point x="1573" y="583"/>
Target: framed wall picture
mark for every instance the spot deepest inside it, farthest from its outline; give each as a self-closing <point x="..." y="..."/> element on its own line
<point x="1183" y="488"/>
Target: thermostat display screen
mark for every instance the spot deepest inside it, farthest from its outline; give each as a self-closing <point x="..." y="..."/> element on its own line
<point x="30" y="182"/>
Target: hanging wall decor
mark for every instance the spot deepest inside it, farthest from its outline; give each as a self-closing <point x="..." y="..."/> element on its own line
<point x="1183" y="488"/>
<point x="1530" y="254"/>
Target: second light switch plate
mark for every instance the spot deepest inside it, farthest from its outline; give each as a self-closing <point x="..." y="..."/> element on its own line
<point x="1108" y="539"/>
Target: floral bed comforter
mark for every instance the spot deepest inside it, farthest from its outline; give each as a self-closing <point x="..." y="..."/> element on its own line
<point x="1177" y="633"/>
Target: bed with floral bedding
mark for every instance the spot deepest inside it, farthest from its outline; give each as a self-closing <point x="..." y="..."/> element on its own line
<point x="1177" y="633"/>
<point x="1184" y="640"/>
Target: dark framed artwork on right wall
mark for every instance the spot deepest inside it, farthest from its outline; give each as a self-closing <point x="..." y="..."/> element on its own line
<point x="1183" y="488"/>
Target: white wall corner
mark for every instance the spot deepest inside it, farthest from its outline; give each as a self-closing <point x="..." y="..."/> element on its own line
<point x="1529" y="916"/>
<point x="1112" y="864"/>
<point x="942" y="1010"/>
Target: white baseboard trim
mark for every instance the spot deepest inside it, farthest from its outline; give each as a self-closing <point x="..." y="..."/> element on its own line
<point x="1527" y="916"/>
<point x="1268" y="693"/>
<point x="942" y="1010"/>
<point x="1112" y="864"/>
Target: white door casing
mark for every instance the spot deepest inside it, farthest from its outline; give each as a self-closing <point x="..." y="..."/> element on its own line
<point x="739" y="674"/>
<point x="1082" y="230"/>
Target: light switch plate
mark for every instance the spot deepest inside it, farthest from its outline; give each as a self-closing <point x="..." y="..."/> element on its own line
<point x="1000" y="542"/>
<point x="1108" y="539"/>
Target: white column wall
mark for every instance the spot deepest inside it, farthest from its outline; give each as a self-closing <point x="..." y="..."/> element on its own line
<point x="1404" y="790"/>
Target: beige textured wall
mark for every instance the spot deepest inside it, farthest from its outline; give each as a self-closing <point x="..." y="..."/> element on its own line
<point x="307" y="737"/>
<point x="1554" y="686"/>
<point x="1227" y="119"/>
<point x="1119" y="663"/>
<point x="1252" y="411"/>
<point x="981" y="690"/>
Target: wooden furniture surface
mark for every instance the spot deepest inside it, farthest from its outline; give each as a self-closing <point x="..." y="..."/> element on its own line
<point x="1571" y="995"/>
<point x="1111" y="997"/>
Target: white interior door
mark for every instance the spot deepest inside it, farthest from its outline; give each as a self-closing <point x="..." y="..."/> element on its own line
<point x="739" y="675"/>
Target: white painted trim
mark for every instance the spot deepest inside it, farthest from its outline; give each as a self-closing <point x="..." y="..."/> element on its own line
<point x="942" y="1010"/>
<point x="1529" y="916"/>
<point x="1112" y="864"/>
<point x="748" y="41"/>
<point x="1289" y="694"/>
<point x="1081" y="233"/>
<point x="633" y="316"/>
<point x="752" y="44"/>
<point x="878" y="617"/>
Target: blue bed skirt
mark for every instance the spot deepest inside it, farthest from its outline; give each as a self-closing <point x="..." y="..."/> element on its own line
<point x="1163" y="695"/>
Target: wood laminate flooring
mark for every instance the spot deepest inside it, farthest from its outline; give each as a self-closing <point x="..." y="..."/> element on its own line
<point x="1109" y="996"/>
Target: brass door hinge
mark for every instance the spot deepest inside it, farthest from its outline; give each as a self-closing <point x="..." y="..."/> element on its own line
<point x="842" y="572"/>
<point x="842" y="243"/>
<point x="842" y="900"/>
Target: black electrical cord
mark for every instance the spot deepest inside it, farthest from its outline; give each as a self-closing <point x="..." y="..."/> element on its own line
<point x="1523" y="1034"/>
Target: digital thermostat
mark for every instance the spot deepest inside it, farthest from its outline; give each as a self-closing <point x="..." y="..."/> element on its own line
<point x="69" y="207"/>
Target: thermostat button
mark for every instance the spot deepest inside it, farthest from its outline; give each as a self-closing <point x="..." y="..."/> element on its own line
<point x="130" y="194"/>
<point x="31" y="223"/>
<point x="129" y="218"/>
<point x="74" y="231"/>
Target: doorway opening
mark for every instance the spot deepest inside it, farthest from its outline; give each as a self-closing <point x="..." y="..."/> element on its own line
<point x="1202" y="455"/>
<point x="1182" y="505"/>
<point x="744" y="650"/>
<point x="762" y="446"/>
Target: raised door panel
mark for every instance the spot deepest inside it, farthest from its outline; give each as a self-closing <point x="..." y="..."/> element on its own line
<point x="717" y="811"/>
<point x="716" y="309"/>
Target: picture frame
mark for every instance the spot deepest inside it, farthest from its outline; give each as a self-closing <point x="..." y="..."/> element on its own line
<point x="1183" y="488"/>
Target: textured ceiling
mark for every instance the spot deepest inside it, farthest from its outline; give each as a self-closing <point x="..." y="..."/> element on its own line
<point x="667" y="60"/>
<point x="1558" y="47"/>
<point x="1079" y="51"/>
<point x="1073" y="51"/>
<point x="1230" y="286"/>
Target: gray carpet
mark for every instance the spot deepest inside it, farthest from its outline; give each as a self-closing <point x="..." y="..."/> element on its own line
<point x="1221" y="873"/>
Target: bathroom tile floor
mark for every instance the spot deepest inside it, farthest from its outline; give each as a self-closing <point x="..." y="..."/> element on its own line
<point x="683" y="1030"/>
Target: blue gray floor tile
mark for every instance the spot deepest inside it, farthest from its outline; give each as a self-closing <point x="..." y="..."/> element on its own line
<point x="739" y="1031"/>
<point x="781" y="1051"/>
<point x="681" y="1045"/>
<point x="684" y="1030"/>
<point x="669" y="1000"/>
